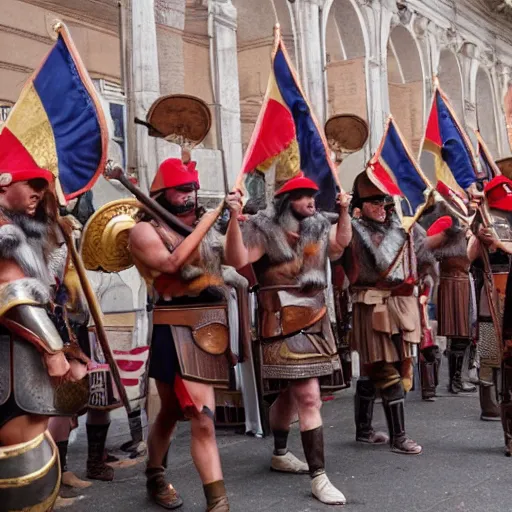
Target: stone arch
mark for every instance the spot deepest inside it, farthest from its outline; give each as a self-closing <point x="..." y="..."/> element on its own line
<point x="255" y="39"/>
<point x="346" y="50"/>
<point x="450" y="80"/>
<point x="406" y="85"/>
<point x="485" y="111"/>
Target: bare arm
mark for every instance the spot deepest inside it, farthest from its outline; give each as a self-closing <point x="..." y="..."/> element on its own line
<point x="236" y="253"/>
<point x="473" y="248"/>
<point x="147" y="246"/>
<point x="341" y="234"/>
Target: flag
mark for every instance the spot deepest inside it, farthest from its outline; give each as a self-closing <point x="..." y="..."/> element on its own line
<point x="395" y="171"/>
<point x="488" y="169"/>
<point x="287" y="134"/>
<point x="455" y="164"/>
<point x="58" y="121"/>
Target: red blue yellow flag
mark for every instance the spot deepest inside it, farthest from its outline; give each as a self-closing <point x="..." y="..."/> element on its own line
<point x="287" y="134"/>
<point x="58" y="121"/>
<point x="395" y="171"/>
<point x="444" y="137"/>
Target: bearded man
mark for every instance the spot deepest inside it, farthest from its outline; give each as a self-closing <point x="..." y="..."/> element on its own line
<point x="389" y="264"/>
<point x="189" y="347"/>
<point x="289" y="244"/>
<point x="36" y="366"/>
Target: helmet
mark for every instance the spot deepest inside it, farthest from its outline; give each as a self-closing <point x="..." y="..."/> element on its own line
<point x="174" y="173"/>
<point x="16" y="163"/>
<point x="499" y="193"/>
<point x="299" y="182"/>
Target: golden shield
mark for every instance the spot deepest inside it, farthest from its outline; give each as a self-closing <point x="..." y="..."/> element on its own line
<point x="104" y="242"/>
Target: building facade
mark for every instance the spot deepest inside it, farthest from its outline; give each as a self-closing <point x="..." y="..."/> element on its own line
<point x="368" y="57"/>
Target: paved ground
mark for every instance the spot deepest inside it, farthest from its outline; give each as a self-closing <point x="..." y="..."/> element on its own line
<point x="462" y="468"/>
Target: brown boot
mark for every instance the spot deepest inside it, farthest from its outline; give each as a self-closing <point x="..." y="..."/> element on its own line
<point x="393" y="402"/>
<point x="160" y="491"/>
<point x="216" y="497"/>
<point x="97" y="469"/>
<point x="364" y="401"/>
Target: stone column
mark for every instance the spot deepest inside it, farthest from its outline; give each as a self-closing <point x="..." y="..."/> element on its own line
<point x="145" y="86"/>
<point x="224" y="68"/>
<point x="380" y="16"/>
<point x="502" y="79"/>
<point x="468" y="57"/>
<point x="310" y="57"/>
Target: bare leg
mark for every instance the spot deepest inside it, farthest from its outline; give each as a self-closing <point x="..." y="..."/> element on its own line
<point x="307" y="394"/>
<point x="205" y="453"/>
<point x="159" y="439"/>
<point x="282" y="413"/>
<point x="22" y="429"/>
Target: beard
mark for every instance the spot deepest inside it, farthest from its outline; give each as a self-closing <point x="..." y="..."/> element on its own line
<point x="188" y="206"/>
<point x="285" y="215"/>
<point x="36" y="226"/>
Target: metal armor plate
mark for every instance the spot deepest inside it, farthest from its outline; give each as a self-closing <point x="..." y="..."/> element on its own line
<point x="33" y="388"/>
<point x="29" y="475"/>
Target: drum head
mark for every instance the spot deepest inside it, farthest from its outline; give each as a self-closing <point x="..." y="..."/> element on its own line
<point x="505" y="166"/>
<point x="346" y="133"/>
<point x="180" y="118"/>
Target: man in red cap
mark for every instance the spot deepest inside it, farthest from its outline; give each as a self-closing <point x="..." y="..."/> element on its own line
<point x="289" y="244"/>
<point x="498" y="193"/>
<point x="33" y="353"/>
<point x="190" y="345"/>
<point x="389" y="263"/>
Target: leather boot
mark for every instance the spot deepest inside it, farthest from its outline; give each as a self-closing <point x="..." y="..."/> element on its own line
<point x="393" y="398"/>
<point x="364" y="401"/>
<point x="161" y="492"/>
<point x="216" y="497"/>
<point x="96" y="467"/>
<point x="489" y="403"/>
<point x="68" y="478"/>
<point x="283" y="460"/>
<point x="428" y="379"/>
<point x="321" y="487"/>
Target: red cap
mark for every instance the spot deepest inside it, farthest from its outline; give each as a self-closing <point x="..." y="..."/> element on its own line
<point x="16" y="163"/>
<point x="174" y="173"/>
<point x="440" y="225"/>
<point x="297" y="183"/>
<point x="499" y="193"/>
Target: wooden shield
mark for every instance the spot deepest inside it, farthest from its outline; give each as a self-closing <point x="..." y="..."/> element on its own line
<point x="346" y="133"/>
<point x="179" y="118"/>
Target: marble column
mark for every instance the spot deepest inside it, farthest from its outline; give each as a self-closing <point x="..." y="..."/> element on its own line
<point x="145" y="86"/>
<point x="310" y="57"/>
<point x="379" y="17"/>
<point x="224" y="68"/>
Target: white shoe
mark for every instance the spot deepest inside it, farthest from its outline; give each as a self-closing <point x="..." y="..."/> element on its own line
<point x="325" y="492"/>
<point x="288" y="463"/>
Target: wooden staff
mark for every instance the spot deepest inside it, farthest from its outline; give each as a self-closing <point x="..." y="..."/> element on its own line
<point x="97" y="316"/>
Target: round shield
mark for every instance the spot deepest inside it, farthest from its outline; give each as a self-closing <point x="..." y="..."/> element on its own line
<point x="505" y="166"/>
<point x="179" y="118"/>
<point x="104" y="242"/>
<point x="346" y="133"/>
